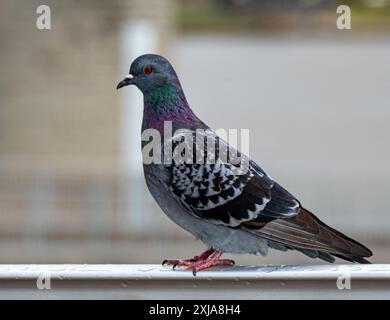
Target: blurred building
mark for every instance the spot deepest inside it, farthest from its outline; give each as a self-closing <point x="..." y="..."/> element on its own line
<point x="64" y="129"/>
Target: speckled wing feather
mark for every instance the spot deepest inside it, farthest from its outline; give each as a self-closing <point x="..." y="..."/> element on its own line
<point x="226" y="192"/>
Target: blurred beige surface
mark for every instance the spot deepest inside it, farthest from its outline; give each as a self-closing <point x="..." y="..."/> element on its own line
<point x="316" y="104"/>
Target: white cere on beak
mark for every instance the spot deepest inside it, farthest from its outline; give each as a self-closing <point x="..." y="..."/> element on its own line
<point x="129" y="76"/>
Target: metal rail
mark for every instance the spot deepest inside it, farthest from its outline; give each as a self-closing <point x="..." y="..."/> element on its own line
<point x="157" y="282"/>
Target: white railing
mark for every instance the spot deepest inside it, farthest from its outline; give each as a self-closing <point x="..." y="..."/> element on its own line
<point x="157" y="282"/>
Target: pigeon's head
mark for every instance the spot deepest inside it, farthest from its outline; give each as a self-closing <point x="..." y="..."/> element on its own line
<point x="149" y="72"/>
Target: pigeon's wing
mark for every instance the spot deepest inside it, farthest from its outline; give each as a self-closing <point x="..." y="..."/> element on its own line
<point x="225" y="191"/>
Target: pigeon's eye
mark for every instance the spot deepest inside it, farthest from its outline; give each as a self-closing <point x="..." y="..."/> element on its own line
<point x="148" y="70"/>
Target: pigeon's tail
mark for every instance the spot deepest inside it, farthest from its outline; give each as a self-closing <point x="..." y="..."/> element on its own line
<point x="308" y="234"/>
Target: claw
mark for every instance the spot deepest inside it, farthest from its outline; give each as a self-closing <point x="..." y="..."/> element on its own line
<point x="164" y="262"/>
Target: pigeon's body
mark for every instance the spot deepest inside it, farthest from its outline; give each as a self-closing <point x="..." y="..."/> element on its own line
<point x="230" y="208"/>
<point x="214" y="236"/>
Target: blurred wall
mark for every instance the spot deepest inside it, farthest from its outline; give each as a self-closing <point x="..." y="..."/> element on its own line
<point x="61" y="115"/>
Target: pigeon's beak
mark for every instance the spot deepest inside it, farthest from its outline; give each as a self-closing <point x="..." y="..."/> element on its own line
<point x="128" y="80"/>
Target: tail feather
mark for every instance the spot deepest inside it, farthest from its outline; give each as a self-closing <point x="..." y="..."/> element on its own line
<point x="308" y="234"/>
<point x="353" y="259"/>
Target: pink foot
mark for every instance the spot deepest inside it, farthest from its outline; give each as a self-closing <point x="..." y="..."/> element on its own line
<point x="182" y="262"/>
<point x="207" y="259"/>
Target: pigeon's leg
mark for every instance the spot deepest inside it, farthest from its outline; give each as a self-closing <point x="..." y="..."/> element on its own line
<point x="212" y="261"/>
<point x="183" y="262"/>
<point x="205" y="254"/>
<point x="207" y="259"/>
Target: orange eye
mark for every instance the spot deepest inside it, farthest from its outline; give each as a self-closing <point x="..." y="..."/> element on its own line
<point x="148" y="70"/>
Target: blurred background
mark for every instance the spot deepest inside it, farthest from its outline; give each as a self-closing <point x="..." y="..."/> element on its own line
<point x="315" y="98"/>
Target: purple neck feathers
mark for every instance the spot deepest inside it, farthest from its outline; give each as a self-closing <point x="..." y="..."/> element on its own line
<point x="168" y="103"/>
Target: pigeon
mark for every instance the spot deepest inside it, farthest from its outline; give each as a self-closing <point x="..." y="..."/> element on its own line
<point x="230" y="207"/>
